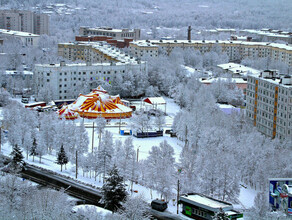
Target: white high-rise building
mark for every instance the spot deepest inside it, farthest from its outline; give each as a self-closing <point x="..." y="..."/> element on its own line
<point x="65" y="81"/>
<point x="25" y="21"/>
<point x="269" y="104"/>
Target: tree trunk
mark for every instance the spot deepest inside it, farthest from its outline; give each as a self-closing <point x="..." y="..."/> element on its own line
<point x="61" y="167"/>
<point x="99" y="139"/>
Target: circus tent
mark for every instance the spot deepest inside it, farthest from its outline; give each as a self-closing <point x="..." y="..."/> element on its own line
<point x="99" y="103"/>
<point x="67" y="113"/>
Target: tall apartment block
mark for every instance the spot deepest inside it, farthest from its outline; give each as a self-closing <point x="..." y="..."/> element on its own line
<point x="25" y="21"/>
<point x="41" y="24"/>
<point x="269" y="104"/>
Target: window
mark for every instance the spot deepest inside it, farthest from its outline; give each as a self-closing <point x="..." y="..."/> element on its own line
<point x="48" y="80"/>
<point x="48" y="74"/>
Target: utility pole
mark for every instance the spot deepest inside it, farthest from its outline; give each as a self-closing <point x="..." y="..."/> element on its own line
<point x="76" y="165"/>
<point x="92" y="137"/>
<point x="177" y="197"/>
<point x="120" y="124"/>
<point x="138" y="153"/>
<point x="0" y="137"/>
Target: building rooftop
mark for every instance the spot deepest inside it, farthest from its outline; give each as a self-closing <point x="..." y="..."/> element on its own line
<point x="207" y="202"/>
<point x="108" y="29"/>
<point x="108" y="50"/>
<point x="284" y="81"/>
<point x="238" y="69"/>
<point x="17" y="33"/>
<point x="157" y="42"/>
<point x="211" y="80"/>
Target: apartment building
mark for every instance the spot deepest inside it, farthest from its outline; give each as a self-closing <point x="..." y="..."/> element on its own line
<point x="236" y="50"/>
<point x="269" y="104"/>
<point x="268" y="35"/>
<point x="143" y="49"/>
<point x="116" y="34"/>
<point x="25" y="21"/>
<point x="65" y="80"/>
<point x="41" y="24"/>
<point x="94" y="52"/>
<point x="27" y="39"/>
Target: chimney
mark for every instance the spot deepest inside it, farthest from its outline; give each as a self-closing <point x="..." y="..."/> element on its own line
<point x="189" y="33"/>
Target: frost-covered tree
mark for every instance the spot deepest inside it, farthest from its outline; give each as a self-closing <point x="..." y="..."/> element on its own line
<point x="221" y="215"/>
<point x="159" y="120"/>
<point x="28" y="141"/>
<point x="160" y="169"/>
<point x="41" y="148"/>
<point x="47" y="125"/>
<point x="4" y="97"/>
<point x="140" y="122"/>
<point x="113" y="191"/>
<point x="262" y="210"/>
<point x="126" y="159"/>
<point x="33" y="149"/>
<point x="135" y="208"/>
<point x="105" y="153"/>
<point x="17" y="158"/>
<point x="100" y="125"/>
<point x="62" y="158"/>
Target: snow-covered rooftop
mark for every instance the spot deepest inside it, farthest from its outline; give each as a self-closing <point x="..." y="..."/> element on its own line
<point x="238" y="68"/>
<point x="108" y="29"/>
<point x="12" y="72"/>
<point x="207" y="202"/>
<point x="211" y="80"/>
<point x="186" y="42"/>
<point x="108" y="50"/>
<point x="17" y="33"/>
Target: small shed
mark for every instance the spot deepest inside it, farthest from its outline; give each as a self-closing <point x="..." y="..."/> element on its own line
<point x="155" y="101"/>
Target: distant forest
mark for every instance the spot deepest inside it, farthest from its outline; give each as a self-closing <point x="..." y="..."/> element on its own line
<point x="173" y="16"/>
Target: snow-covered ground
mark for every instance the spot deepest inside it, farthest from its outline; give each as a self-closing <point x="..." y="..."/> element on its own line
<point x="144" y="144"/>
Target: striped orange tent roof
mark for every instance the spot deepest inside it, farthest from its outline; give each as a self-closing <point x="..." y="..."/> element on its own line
<point x="67" y="113"/>
<point x="99" y="101"/>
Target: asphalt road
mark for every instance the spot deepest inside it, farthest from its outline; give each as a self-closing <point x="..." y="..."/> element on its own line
<point x="49" y="179"/>
<point x="87" y="194"/>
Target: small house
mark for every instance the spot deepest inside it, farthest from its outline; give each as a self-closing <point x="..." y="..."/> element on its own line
<point x="201" y="207"/>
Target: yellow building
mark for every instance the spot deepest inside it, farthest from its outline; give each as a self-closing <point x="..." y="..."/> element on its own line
<point x="236" y="50"/>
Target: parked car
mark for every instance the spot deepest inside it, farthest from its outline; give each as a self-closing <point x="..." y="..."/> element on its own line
<point x="159" y="205"/>
<point x="25" y="100"/>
